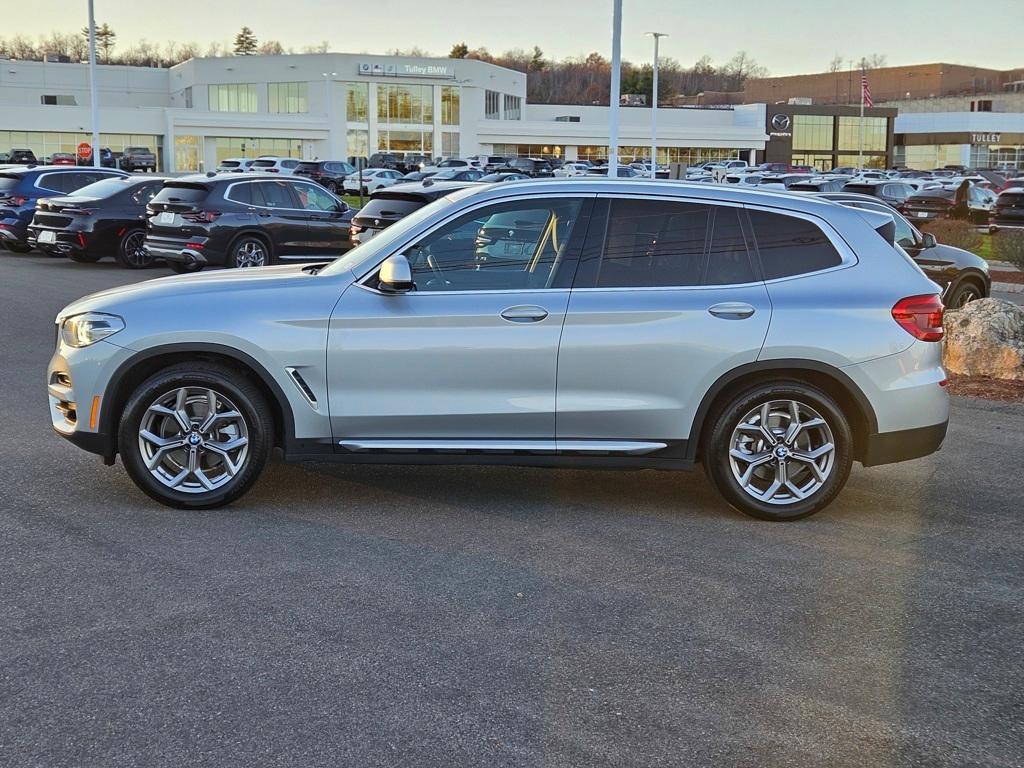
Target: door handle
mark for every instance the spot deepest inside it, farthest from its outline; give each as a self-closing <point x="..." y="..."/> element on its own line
<point x="732" y="310"/>
<point x="525" y="314"/>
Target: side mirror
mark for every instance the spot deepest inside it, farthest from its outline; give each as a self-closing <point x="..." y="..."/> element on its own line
<point x="395" y="275"/>
<point x="928" y="240"/>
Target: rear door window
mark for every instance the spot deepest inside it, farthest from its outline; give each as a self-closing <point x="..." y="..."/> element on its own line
<point x="789" y="245"/>
<point x="728" y="258"/>
<point x="277" y="195"/>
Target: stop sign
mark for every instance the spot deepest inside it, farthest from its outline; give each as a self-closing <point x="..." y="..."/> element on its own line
<point x="84" y="150"/>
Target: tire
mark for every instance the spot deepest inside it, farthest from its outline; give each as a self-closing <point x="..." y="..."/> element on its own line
<point x="181" y="268"/>
<point x="179" y="467"/>
<point x="131" y="251"/>
<point x="18" y="247"/>
<point x="752" y="486"/>
<point x="249" y="251"/>
<point x="964" y="293"/>
<point x="81" y="258"/>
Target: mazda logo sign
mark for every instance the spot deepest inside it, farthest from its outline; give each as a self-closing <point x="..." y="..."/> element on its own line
<point x="780" y="122"/>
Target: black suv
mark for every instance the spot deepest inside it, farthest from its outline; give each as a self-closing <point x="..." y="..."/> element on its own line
<point x="107" y="218"/>
<point x="531" y="166"/>
<point x="963" y="275"/>
<point x="389" y="204"/>
<point x="22" y="157"/>
<point x="893" y="192"/>
<point x="389" y="160"/>
<point x="1009" y="210"/>
<point x="20" y="188"/>
<point x="327" y="173"/>
<point x="245" y="222"/>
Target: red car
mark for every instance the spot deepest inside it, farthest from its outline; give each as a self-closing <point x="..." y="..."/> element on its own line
<point x="63" y="158"/>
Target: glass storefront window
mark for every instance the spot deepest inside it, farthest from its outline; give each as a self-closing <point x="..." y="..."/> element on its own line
<point x="821" y="162"/>
<point x="405" y="104"/>
<point x="356" y="100"/>
<point x="45" y="143"/>
<point x="233" y="97"/>
<point x="288" y="98"/>
<point x="492" y="105"/>
<point x="449" y="105"/>
<point x="406" y="141"/>
<point x="235" y="146"/>
<point x="187" y="153"/>
<point x="513" y="107"/>
<point x="450" y="144"/>
<point x="812" y="132"/>
<point x="870" y="161"/>
<point x="358" y="142"/>
<point x="875" y="133"/>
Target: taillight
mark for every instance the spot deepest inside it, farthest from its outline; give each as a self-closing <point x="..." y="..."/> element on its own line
<point x="201" y="217"/>
<point x="14" y="200"/>
<point x="920" y="316"/>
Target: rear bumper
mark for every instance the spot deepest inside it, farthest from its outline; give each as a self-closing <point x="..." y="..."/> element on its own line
<point x="903" y="445"/>
<point x="171" y="250"/>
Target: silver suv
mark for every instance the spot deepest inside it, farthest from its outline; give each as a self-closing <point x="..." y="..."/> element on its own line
<point x="567" y="323"/>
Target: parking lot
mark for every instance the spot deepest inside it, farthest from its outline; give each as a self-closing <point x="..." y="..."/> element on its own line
<point x="409" y="616"/>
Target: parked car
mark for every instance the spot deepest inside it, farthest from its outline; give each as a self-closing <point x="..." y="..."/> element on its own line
<point x="22" y="157"/>
<point x="371" y="179"/>
<point x="530" y="166"/>
<point x="252" y="221"/>
<point x="784" y="180"/>
<point x="1010" y="183"/>
<point x="329" y="174"/>
<point x="743" y="178"/>
<point x="503" y="176"/>
<point x="817" y="185"/>
<point x="106" y="218"/>
<point x="107" y="159"/>
<point x="1009" y="209"/>
<point x="775" y="364"/>
<point x="235" y="165"/>
<point x="283" y="165"/>
<point x="21" y="188"/>
<point x="940" y="203"/>
<point x="63" y="158"/>
<point x="138" y="159"/>
<point x="622" y="172"/>
<point x="453" y="163"/>
<point x="416" y="176"/>
<point x="572" y="168"/>
<point x="489" y="163"/>
<point x="414" y="161"/>
<point x="457" y="174"/>
<point x="389" y="160"/>
<point x="888" y="191"/>
<point x="964" y="276"/>
<point x="388" y="205"/>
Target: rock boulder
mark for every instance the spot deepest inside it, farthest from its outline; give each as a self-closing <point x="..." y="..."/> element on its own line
<point x="985" y="338"/>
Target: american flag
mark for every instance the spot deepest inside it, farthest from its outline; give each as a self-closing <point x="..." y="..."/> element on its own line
<point x="865" y="89"/>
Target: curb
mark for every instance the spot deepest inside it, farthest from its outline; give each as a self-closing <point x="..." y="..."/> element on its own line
<point x="1008" y="287"/>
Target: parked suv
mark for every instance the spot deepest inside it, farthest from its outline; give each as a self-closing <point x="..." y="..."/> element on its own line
<point x="892" y="192"/>
<point x="934" y="204"/>
<point x="1009" y="209"/>
<point x="531" y="166"/>
<point x="330" y="174"/>
<point x="389" y="204"/>
<point x="138" y="159"/>
<point x="22" y="157"/>
<point x="248" y="221"/>
<point x="107" y="218"/>
<point x="283" y="165"/>
<point x="20" y="188"/>
<point x="627" y="324"/>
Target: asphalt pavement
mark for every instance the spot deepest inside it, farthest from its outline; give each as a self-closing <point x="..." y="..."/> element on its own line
<point x="418" y="616"/>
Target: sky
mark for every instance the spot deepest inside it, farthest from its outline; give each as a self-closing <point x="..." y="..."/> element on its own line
<point x="786" y="36"/>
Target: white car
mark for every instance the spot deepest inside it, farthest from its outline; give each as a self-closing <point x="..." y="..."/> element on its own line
<point x="372" y="179"/>
<point x="284" y="165"/>
<point x="454" y="163"/>
<point x="235" y="164"/>
<point x="572" y="169"/>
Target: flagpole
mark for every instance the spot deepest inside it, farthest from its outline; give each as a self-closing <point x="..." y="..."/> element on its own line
<point x="860" y="149"/>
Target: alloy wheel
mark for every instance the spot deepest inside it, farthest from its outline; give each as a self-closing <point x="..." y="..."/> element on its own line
<point x="782" y="452"/>
<point x="135" y="252"/>
<point x="250" y="253"/>
<point x="193" y="440"/>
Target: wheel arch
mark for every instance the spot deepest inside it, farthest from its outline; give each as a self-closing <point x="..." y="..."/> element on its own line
<point x="855" y="405"/>
<point x="974" y="276"/>
<point x="131" y="373"/>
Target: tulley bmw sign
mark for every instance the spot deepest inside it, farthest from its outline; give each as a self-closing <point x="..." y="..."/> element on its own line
<point x="394" y="69"/>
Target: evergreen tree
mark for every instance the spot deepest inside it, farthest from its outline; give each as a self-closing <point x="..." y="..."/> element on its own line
<point x="245" y="42"/>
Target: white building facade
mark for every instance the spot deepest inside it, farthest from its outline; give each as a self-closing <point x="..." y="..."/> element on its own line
<point x="339" y="106"/>
<point x="928" y="140"/>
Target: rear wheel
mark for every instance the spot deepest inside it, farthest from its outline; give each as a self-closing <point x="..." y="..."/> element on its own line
<point x="964" y="294"/>
<point x="195" y="436"/>
<point x="779" y="451"/>
<point x="250" y="251"/>
<point x="131" y="251"/>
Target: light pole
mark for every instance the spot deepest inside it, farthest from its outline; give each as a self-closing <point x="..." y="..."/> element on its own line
<point x="327" y="109"/>
<point x="613" y="112"/>
<point x="92" y="88"/>
<point x="654" y="104"/>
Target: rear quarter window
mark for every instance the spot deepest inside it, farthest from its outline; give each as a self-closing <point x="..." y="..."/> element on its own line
<point x="791" y="246"/>
<point x="181" y="194"/>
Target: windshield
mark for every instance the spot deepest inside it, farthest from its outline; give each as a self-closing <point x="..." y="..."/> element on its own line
<point x="385" y="241"/>
<point x="8" y="183"/>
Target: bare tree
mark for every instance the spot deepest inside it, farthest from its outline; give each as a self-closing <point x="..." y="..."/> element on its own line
<point x="836" y="65"/>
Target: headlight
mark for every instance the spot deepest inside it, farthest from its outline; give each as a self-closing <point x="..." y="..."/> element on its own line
<point x="89" y="327"/>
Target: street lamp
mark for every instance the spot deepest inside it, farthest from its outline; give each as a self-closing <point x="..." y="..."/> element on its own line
<point x="654" y="104"/>
<point x="92" y="88"/>
<point x="613" y="112"/>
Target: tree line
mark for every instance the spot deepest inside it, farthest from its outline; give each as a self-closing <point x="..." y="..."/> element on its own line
<point x="577" y="80"/>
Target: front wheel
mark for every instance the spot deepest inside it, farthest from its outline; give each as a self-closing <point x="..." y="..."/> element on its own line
<point x="131" y="251"/>
<point x="195" y="435"/>
<point x="779" y="451"/>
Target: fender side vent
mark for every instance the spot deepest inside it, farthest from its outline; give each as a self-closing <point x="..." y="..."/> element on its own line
<point x="303" y="387"/>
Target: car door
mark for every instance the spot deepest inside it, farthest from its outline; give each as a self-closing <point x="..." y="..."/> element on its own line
<point x="326" y="219"/>
<point x="467" y="359"/>
<point x="667" y="299"/>
<point x="281" y="217"/>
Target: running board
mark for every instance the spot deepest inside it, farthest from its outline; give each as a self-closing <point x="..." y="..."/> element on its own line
<point x="621" y="447"/>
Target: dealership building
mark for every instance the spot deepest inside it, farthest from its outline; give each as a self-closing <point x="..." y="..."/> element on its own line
<point x="336" y="106"/>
